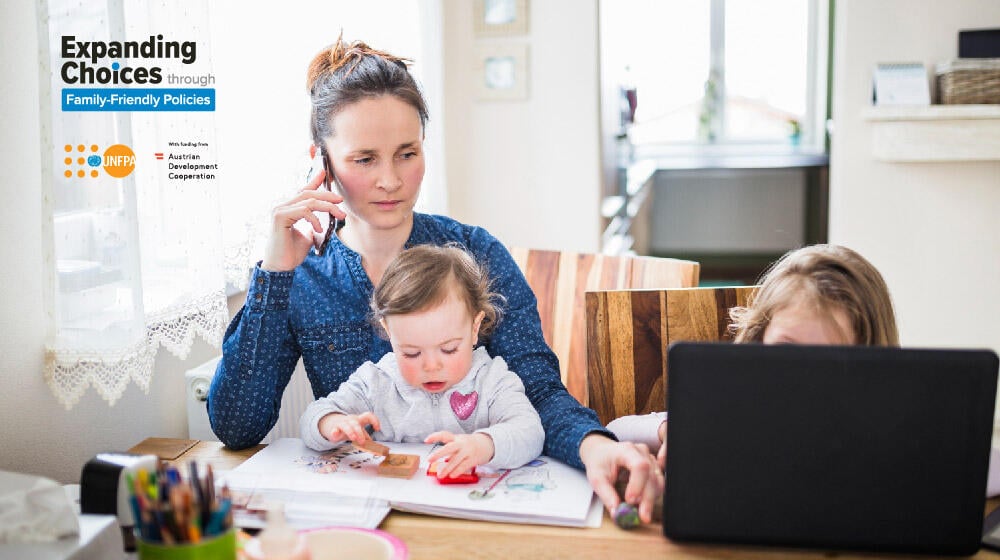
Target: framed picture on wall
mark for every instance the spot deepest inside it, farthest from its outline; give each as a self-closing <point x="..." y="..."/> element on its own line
<point x="500" y="18"/>
<point x="502" y="72"/>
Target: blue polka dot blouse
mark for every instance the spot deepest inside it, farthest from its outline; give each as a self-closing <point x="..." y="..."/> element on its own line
<point x="319" y="311"/>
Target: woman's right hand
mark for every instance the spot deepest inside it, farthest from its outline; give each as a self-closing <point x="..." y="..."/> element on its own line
<point x="287" y="247"/>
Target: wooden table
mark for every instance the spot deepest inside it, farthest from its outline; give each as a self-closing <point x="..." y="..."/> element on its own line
<point x="437" y="538"/>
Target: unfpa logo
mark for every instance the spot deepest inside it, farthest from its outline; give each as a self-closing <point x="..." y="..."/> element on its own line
<point x="117" y="160"/>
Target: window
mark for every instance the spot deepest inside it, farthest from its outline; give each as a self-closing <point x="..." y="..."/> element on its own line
<point x="721" y="73"/>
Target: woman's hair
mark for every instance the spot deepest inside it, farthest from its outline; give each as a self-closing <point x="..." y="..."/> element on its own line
<point x="342" y="74"/>
<point x="424" y="276"/>
<point x="828" y="277"/>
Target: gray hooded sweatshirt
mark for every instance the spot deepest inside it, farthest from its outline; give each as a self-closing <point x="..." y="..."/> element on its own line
<point x="490" y="399"/>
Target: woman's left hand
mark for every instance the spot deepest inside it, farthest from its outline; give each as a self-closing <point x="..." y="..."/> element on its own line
<point x="661" y="455"/>
<point x="604" y="458"/>
<point x="463" y="452"/>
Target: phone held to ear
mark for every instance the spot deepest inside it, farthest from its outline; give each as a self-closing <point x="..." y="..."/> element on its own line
<point x="319" y="238"/>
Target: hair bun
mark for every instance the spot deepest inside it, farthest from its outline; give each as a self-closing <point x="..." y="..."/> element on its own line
<point x="339" y="54"/>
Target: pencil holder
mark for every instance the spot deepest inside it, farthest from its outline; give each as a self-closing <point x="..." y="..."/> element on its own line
<point x="222" y="547"/>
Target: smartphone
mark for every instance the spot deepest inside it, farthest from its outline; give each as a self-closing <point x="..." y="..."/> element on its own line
<point x="321" y="238"/>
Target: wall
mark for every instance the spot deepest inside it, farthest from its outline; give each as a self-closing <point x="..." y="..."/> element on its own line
<point x="528" y="171"/>
<point x="931" y="228"/>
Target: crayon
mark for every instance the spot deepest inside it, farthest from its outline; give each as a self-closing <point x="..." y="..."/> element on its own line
<point x="136" y="515"/>
<point x="194" y="533"/>
<point x="165" y="535"/>
<point x="173" y="475"/>
<point x="177" y="507"/>
<point x="207" y="502"/>
<point x="197" y="497"/>
<point x="142" y="477"/>
<point x="210" y="486"/>
<point x="216" y="524"/>
<point x="228" y="497"/>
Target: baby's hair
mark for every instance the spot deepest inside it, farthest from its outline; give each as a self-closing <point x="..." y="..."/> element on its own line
<point x="828" y="277"/>
<point x="342" y="74"/>
<point x="424" y="276"/>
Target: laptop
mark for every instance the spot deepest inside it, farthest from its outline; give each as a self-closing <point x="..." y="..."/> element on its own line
<point x="828" y="447"/>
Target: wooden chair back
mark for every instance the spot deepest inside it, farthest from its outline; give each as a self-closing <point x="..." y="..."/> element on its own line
<point x="628" y="332"/>
<point x="560" y="279"/>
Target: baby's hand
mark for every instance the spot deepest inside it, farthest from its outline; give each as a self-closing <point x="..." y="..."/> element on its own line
<point x="337" y="427"/>
<point x="463" y="452"/>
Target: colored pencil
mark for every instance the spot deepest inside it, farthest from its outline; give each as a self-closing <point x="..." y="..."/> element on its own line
<point x="169" y="510"/>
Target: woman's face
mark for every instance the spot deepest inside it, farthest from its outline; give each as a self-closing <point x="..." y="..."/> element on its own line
<point x="801" y="323"/>
<point x="377" y="158"/>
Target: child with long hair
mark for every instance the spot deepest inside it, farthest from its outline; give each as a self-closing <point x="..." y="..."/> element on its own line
<point x="820" y="294"/>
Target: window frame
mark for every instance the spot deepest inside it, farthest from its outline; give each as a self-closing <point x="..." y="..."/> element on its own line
<point x="814" y="123"/>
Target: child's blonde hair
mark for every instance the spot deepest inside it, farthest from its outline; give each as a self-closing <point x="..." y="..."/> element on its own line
<point x="828" y="277"/>
<point x="422" y="277"/>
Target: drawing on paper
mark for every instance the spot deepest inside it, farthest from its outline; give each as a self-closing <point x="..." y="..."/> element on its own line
<point x="329" y="461"/>
<point x="528" y="483"/>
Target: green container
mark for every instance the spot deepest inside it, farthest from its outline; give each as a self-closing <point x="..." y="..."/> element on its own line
<point x="222" y="547"/>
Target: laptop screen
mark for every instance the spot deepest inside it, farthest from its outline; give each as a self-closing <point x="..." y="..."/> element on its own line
<point x="862" y="448"/>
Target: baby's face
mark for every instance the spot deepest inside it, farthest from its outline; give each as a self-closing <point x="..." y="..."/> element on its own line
<point x="800" y="323"/>
<point x="434" y="347"/>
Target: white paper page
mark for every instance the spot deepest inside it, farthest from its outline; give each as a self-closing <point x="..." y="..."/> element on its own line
<point x="312" y="510"/>
<point x="287" y="464"/>
<point x="596" y="514"/>
<point x="317" y="489"/>
<point x="545" y="490"/>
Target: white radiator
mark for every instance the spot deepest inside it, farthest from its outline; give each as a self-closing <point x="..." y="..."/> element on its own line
<point x="298" y="395"/>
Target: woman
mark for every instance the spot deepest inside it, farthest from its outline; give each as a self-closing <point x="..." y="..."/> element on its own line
<point x="368" y="118"/>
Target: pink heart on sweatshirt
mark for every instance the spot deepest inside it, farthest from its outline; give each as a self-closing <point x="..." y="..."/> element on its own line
<point x="463" y="405"/>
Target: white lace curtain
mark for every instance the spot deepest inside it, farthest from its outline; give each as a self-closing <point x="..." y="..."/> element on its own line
<point x="136" y="262"/>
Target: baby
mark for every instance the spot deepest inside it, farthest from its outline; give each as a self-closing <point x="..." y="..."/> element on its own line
<point x="436" y="386"/>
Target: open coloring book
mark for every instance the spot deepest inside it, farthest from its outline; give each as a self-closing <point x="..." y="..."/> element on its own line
<point x="544" y="491"/>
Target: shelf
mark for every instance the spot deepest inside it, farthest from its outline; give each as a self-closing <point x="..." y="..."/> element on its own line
<point x="935" y="133"/>
<point x="708" y="161"/>
<point x="933" y="112"/>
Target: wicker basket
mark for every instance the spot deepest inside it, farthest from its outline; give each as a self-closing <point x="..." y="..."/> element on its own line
<point x="969" y="80"/>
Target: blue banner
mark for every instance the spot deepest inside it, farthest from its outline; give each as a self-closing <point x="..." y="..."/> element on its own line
<point x="133" y="99"/>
